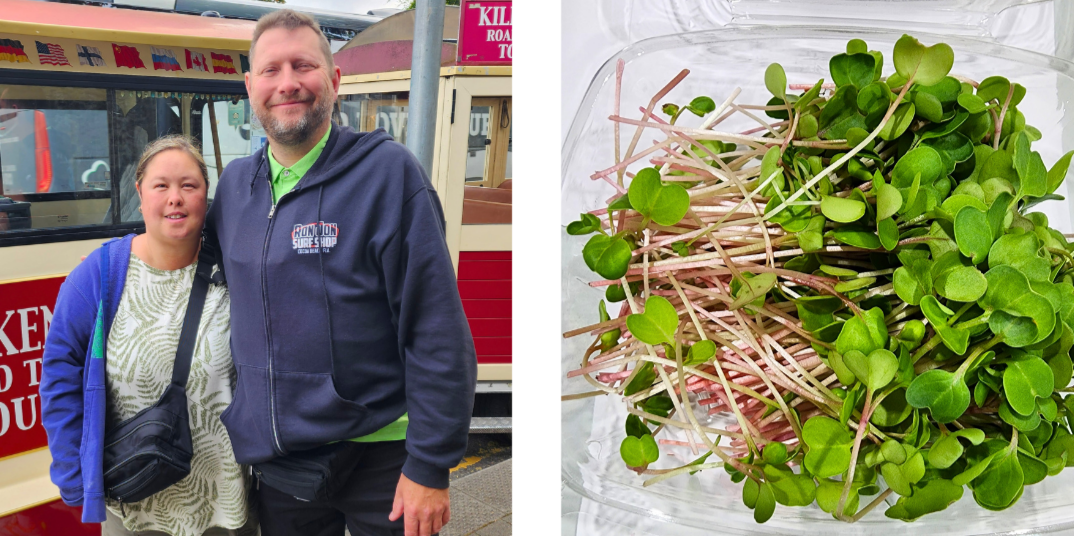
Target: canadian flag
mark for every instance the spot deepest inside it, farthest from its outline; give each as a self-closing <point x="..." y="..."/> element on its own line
<point x="195" y="61"/>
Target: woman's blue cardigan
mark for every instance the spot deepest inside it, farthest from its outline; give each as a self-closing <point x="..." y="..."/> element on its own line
<point x="73" y="392"/>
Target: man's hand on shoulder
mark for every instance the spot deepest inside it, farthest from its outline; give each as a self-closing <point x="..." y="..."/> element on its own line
<point x="425" y="510"/>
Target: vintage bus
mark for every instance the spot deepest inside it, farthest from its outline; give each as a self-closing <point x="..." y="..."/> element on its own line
<point x="471" y="165"/>
<point x="83" y="89"/>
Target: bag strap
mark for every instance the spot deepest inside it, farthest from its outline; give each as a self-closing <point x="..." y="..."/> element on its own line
<point x="188" y="337"/>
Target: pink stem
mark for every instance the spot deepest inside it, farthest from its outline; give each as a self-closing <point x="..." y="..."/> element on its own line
<point x="618" y="90"/>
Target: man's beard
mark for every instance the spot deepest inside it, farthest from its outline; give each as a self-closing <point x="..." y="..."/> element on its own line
<point x="300" y="130"/>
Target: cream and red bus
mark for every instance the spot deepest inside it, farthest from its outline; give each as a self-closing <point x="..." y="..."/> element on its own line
<point x="83" y="89"/>
<point x="472" y="162"/>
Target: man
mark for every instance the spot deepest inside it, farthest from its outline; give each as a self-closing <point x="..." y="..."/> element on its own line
<point x="347" y="328"/>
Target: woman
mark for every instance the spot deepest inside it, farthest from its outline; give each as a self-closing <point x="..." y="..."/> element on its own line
<point x="145" y="286"/>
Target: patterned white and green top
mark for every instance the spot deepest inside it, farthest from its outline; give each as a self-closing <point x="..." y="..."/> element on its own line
<point x="140" y="356"/>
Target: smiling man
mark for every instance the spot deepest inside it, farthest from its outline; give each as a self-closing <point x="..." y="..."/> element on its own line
<point x="356" y="367"/>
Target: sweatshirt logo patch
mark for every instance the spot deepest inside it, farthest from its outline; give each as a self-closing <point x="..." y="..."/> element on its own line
<point x="307" y="238"/>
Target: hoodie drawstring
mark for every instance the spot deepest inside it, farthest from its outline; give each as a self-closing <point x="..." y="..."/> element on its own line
<point x="324" y="286"/>
<point x="253" y="177"/>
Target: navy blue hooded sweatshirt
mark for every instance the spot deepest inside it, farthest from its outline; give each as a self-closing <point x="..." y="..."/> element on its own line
<point x="345" y="307"/>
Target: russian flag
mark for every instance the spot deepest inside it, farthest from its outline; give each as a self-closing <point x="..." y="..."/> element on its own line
<point x="164" y="60"/>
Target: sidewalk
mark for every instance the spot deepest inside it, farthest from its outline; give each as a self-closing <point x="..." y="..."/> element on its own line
<point x="481" y="503"/>
<point x="481" y="489"/>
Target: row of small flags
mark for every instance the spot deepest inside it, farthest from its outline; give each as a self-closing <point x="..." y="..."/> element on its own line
<point x="126" y="56"/>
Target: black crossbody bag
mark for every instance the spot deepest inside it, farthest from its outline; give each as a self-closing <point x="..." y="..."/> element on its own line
<point x="152" y="450"/>
<point x="311" y="475"/>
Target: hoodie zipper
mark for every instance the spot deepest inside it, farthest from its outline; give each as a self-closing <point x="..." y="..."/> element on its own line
<point x="278" y="447"/>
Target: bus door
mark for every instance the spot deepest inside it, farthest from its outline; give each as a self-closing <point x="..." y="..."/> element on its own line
<point x="472" y="175"/>
<point x="484" y="253"/>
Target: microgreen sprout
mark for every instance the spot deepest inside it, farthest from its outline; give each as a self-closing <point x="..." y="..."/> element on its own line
<point x="858" y="281"/>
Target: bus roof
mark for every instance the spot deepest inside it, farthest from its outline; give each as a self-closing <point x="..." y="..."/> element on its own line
<point x="48" y="19"/>
<point x="388" y="45"/>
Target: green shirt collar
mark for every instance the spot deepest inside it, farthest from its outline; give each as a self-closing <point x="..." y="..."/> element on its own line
<point x="298" y="169"/>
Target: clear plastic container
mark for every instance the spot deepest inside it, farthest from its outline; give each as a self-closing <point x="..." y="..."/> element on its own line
<point x="719" y="61"/>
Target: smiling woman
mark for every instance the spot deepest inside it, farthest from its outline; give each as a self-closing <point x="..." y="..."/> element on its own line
<point x="142" y="285"/>
<point x="173" y="186"/>
<point x="89" y="89"/>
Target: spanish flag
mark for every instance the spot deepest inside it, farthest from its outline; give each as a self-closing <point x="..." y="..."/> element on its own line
<point x="11" y="50"/>
<point x="222" y="63"/>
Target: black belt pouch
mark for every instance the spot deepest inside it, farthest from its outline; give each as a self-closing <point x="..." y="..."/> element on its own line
<point x="314" y="474"/>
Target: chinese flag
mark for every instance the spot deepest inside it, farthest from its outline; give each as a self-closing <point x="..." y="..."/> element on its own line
<point x="127" y="57"/>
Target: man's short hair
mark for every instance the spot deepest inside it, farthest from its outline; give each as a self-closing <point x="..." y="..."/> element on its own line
<point x="291" y="20"/>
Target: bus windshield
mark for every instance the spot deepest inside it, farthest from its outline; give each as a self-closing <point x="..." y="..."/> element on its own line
<point x="68" y="155"/>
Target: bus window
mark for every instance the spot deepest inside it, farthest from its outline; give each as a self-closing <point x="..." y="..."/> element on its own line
<point x="237" y="135"/>
<point x="63" y="149"/>
<point x="506" y="113"/>
<point x="487" y="191"/>
<point x="476" y="148"/>
<point x="147" y="115"/>
<point x="367" y="112"/>
<point x="54" y="159"/>
<point x="140" y="117"/>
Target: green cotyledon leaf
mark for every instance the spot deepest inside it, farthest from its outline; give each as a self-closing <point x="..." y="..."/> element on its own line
<point x="943" y="393"/>
<point x="913" y="281"/>
<point x="639" y="452"/>
<point x="1026" y="378"/>
<point x="775" y="80"/>
<point x="829" y="447"/>
<point x="936" y="495"/>
<point x="608" y="256"/>
<point x="657" y="324"/>
<point x="854" y="69"/>
<point x="1020" y="252"/>
<point x="842" y="210"/>
<point x="938" y="315"/>
<point x="587" y="223"/>
<point x="972" y="234"/>
<point x="666" y="204"/>
<point x="1000" y="484"/>
<point x="947" y="450"/>
<point x="701" y="352"/>
<point x="864" y="333"/>
<point x="1017" y="313"/>
<point x="876" y="370"/>
<point x="753" y="288"/>
<point x="928" y="65"/>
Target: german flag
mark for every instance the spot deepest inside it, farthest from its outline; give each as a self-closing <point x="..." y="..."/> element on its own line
<point x="11" y="50"/>
<point x="222" y="63"/>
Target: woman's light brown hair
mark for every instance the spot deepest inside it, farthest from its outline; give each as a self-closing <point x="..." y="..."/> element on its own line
<point x="168" y="143"/>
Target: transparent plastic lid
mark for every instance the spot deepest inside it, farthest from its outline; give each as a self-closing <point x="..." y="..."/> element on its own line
<point x="719" y="61"/>
<point x="633" y="20"/>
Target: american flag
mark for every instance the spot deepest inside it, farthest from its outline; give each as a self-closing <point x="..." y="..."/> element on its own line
<point x="48" y="53"/>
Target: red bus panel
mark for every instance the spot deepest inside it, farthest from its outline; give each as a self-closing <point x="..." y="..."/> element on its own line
<point x="49" y="519"/>
<point x="485" y="288"/>
<point x="25" y="316"/>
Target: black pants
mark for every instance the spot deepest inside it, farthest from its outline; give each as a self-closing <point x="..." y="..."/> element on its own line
<point x="362" y="504"/>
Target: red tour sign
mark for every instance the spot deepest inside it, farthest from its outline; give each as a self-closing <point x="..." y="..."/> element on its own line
<point x="25" y="315"/>
<point x="485" y="33"/>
